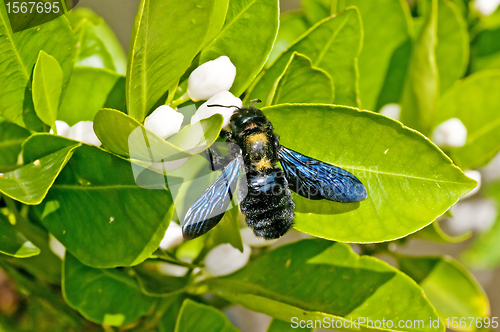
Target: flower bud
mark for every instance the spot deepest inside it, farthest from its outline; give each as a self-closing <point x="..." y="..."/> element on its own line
<point x="224" y="259"/>
<point x="164" y="121"/>
<point x="171" y="269"/>
<point x="62" y="128"/>
<point x="211" y="78"/>
<point x="451" y="133"/>
<point x="391" y="111"/>
<point x="173" y="237"/>
<point x="225" y="98"/>
<point x="83" y="131"/>
<point x="486" y="7"/>
<point x="56" y="247"/>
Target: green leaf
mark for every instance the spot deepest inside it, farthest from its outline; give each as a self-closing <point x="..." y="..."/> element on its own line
<point x="472" y="102"/>
<point x="97" y="45"/>
<point x="125" y="136"/>
<point x="435" y="233"/>
<point x="247" y="38"/>
<point x="208" y="319"/>
<point x="385" y="165"/>
<point x="160" y="51"/>
<point x="11" y="139"/>
<point x="217" y="20"/>
<point x="19" y="54"/>
<point x="450" y="288"/>
<point x="357" y="287"/>
<point x="484" y="252"/>
<point x="422" y="82"/>
<point x="101" y="84"/>
<point x="281" y="326"/>
<point x="386" y="26"/>
<point x="103" y="296"/>
<point x="333" y="45"/>
<point x="227" y="230"/>
<point x="301" y="82"/>
<point x="452" y="51"/>
<point x="47" y="88"/>
<point x="80" y="209"/>
<point x="154" y="284"/>
<point x="292" y="26"/>
<point x="316" y="10"/>
<point x="30" y="183"/>
<point x="13" y="243"/>
<point x="171" y="306"/>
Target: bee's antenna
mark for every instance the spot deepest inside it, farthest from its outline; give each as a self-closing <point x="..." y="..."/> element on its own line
<point x="255" y="101"/>
<point x="217" y="105"/>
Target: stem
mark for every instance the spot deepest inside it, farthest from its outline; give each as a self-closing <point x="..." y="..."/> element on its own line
<point x="54" y="129"/>
<point x="182" y="99"/>
<point x="171" y="93"/>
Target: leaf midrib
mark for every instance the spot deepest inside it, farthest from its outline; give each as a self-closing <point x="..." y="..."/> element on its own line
<point x="11" y="40"/>
<point x="330" y="42"/>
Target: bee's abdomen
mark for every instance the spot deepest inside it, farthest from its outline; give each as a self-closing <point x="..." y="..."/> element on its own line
<point x="268" y="206"/>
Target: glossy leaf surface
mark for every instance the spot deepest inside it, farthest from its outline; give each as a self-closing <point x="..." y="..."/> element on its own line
<point x="333" y="45"/>
<point x="207" y="319"/>
<point x="80" y="209"/>
<point x="11" y="139"/>
<point x="247" y="48"/>
<point x="30" y="183"/>
<point x="159" y="53"/>
<point x="47" y="88"/>
<point x="472" y="102"/>
<point x="103" y="296"/>
<point x="13" y="243"/>
<point x="19" y="54"/>
<point x="451" y="289"/>
<point x="386" y="166"/>
<point x="357" y="286"/>
<point x="301" y="82"/>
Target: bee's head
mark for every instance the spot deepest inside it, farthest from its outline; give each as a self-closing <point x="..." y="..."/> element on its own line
<point x="246" y="117"/>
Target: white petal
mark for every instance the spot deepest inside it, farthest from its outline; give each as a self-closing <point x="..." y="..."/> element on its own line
<point x="486" y="7"/>
<point x="211" y="78"/>
<point x="249" y="237"/>
<point x="56" y="247"/>
<point x="224" y="259"/>
<point x="83" y="131"/>
<point x="451" y="133"/>
<point x="391" y="111"/>
<point x="225" y="98"/>
<point x="172" y="269"/>
<point x="475" y="175"/>
<point x="164" y="121"/>
<point x="62" y="128"/>
<point x="173" y="237"/>
<point x="474" y="214"/>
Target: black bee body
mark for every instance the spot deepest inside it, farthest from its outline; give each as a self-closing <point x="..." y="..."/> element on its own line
<point x="268" y="205"/>
<point x="265" y="199"/>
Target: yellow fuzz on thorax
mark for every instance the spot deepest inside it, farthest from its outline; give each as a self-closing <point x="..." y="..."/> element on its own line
<point x="261" y="164"/>
<point x="259" y="137"/>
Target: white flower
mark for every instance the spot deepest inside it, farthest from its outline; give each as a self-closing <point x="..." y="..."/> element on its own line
<point x="473" y="214"/>
<point x="211" y="78"/>
<point x="249" y="237"/>
<point x="391" y="111"/>
<point x="56" y="247"/>
<point x="83" y="131"/>
<point x="475" y="175"/>
<point x="173" y="237"/>
<point x="164" y="121"/>
<point x="224" y="259"/>
<point x="451" y="133"/>
<point x="62" y="128"/>
<point x="486" y="7"/>
<point x="172" y="269"/>
<point x="225" y="98"/>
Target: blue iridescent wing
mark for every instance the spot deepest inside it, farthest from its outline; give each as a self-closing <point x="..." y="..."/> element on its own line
<point x="314" y="179"/>
<point x="209" y="209"/>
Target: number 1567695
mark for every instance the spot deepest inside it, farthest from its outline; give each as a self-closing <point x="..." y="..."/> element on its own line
<point x="32" y="7"/>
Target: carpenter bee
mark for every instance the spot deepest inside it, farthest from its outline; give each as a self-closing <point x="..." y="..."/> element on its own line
<point x="267" y="205"/>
